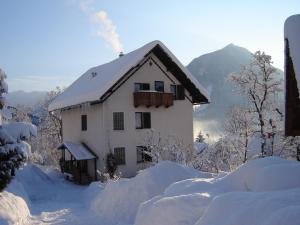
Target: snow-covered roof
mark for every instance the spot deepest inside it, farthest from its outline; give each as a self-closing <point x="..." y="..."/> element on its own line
<point x="78" y="150"/>
<point x="94" y="83"/>
<point x="292" y="34"/>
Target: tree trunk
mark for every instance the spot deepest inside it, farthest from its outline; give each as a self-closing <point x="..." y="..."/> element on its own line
<point x="262" y="133"/>
<point x="246" y="148"/>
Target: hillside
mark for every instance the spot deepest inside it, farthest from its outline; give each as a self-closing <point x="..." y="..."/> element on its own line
<point x="25" y="98"/>
<point x="212" y="71"/>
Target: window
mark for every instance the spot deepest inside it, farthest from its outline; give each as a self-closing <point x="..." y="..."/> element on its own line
<point x="118" y="118"/>
<point x="177" y="91"/>
<point x="141" y="154"/>
<point x="120" y="155"/>
<point x="83" y="122"/>
<point x="159" y="86"/>
<point x="142" y="120"/>
<point x="141" y="87"/>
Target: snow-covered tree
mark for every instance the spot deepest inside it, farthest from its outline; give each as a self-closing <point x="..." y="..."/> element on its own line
<point x="13" y="148"/>
<point x="170" y="148"/>
<point x="44" y="147"/>
<point x="259" y="83"/>
<point x="239" y="128"/>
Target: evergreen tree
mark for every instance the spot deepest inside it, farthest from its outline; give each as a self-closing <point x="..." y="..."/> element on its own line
<point x="13" y="148"/>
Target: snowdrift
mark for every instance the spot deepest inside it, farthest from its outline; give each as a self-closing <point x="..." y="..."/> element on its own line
<point x="261" y="192"/>
<point x="119" y="201"/>
<point x="228" y="200"/>
<point x="13" y="209"/>
<point x="35" y="191"/>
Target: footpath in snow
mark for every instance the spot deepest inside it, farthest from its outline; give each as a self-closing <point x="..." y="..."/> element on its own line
<point x="261" y="192"/>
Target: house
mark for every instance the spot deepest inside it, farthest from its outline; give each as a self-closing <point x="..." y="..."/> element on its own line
<point x="292" y="75"/>
<point x="112" y="108"/>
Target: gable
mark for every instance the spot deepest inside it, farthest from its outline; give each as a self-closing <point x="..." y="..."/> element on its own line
<point x="99" y="82"/>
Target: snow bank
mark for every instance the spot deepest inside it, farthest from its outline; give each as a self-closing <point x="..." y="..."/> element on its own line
<point x="13" y="209"/>
<point x="14" y="204"/>
<point x="186" y="201"/>
<point x="119" y="201"/>
<point x="250" y="208"/>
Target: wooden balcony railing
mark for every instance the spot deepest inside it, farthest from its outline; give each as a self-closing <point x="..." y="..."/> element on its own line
<point x="152" y="98"/>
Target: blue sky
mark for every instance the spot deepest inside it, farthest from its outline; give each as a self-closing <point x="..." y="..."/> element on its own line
<point x="51" y="42"/>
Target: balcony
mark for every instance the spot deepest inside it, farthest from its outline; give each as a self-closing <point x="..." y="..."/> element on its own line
<point x="152" y="98"/>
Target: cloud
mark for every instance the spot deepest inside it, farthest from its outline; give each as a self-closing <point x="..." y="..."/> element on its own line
<point x="104" y="25"/>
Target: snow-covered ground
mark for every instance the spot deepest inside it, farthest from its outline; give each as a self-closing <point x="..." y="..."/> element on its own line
<point x="261" y="192"/>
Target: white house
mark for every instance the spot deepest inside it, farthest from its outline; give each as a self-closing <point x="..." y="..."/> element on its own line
<point x="112" y="107"/>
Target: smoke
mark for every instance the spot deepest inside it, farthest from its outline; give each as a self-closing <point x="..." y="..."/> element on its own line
<point x="108" y="31"/>
<point x="105" y="27"/>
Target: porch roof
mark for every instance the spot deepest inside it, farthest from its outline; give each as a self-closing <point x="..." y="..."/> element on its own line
<point x="78" y="150"/>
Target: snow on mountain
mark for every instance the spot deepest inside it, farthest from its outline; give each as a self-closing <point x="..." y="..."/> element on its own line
<point x="212" y="71"/>
<point x="264" y="191"/>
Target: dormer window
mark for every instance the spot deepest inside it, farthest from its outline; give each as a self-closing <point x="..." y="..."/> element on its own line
<point x="141" y="87"/>
<point x="159" y="86"/>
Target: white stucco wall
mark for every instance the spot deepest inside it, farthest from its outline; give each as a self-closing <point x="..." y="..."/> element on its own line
<point x="176" y="120"/>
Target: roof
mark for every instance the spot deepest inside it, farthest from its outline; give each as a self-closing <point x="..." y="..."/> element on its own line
<point x="78" y="150"/>
<point x="94" y="83"/>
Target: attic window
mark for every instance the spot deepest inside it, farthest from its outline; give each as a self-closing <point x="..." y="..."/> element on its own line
<point x="94" y="74"/>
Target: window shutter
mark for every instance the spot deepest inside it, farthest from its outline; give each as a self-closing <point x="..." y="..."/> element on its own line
<point x="146" y="86"/>
<point x="83" y="122"/>
<point x="159" y="86"/>
<point x="173" y="90"/>
<point x="138" y="120"/>
<point x="120" y="155"/>
<point x="118" y="120"/>
<point x="146" y="120"/>
<point x="180" y="92"/>
<point x="142" y="155"/>
<point x="139" y="154"/>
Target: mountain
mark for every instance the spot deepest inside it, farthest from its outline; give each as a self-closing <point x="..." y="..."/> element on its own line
<point x="212" y="72"/>
<point x="25" y="98"/>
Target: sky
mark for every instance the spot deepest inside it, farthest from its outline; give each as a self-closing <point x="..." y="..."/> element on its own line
<point x="49" y="43"/>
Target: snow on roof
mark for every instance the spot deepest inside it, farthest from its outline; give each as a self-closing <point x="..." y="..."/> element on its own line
<point x="292" y="33"/>
<point x="97" y="80"/>
<point x="78" y="150"/>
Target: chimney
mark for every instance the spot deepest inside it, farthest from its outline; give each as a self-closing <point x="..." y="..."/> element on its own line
<point x="121" y="54"/>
